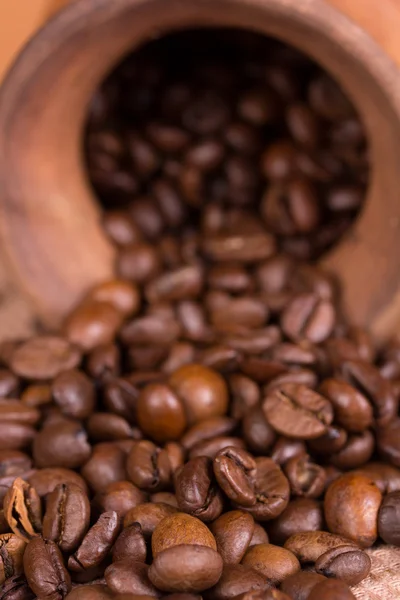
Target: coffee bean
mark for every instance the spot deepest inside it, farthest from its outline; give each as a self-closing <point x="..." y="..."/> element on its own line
<point x="297" y="411"/>
<point x="385" y="477"/>
<point x="331" y="589"/>
<point x="160" y="413"/>
<point x="9" y="384"/>
<point x="67" y="516"/>
<point x="44" y="357"/>
<point x="306" y="478"/>
<point x="104" y="362"/>
<point x="178" y="529"/>
<point x="351" y="508"/>
<point x="45" y="571"/>
<point x="388" y="442"/>
<point x="181" y="284"/>
<point x="165" y="498"/>
<point x="257" y="432"/>
<point x="119" y="496"/>
<point x="123" y="295"/>
<point x="63" y="444"/>
<point x="356" y="452"/>
<point x="12" y="550"/>
<point x="233" y="532"/>
<point x="96" y="544"/>
<point x="16" y="588"/>
<point x="274" y="562"/>
<point x="299" y="585"/>
<point x="106" y="465"/>
<point x="92" y="323"/>
<point x="331" y="442"/>
<point x="388" y="519"/>
<point x="345" y="563"/>
<point x="44" y="481"/>
<point x="197" y="491"/>
<point x="23" y="510"/>
<point x="138" y="262"/>
<point x="36" y="395"/>
<point x="148" y="515"/>
<point x="259" y="536"/>
<point x="286" y="448"/>
<point x="300" y="515"/>
<point x="148" y="466"/>
<point x="205" y="430"/>
<point x="130" y="544"/>
<point x="308" y="317"/>
<point x="74" y="393"/>
<point x="240" y="248"/>
<point x="96" y="591"/>
<point x="120" y="227"/>
<point x="14" y="462"/>
<point x="235" y="472"/>
<point x="126" y="575"/>
<point x="352" y="409"/>
<point x="310" y="545"/>
<point x="212" y="447"/>
<point x="236" y="580"/>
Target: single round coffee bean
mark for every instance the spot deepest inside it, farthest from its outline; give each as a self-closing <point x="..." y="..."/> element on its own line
<point x="202" y="391"/>
<point x="120" y="227"/>
<point x="104" y="427"/>
<point x="130" y="545"/>
<point x="197" y="491"/>
<point x="138" y="262"/>
<point x="67" y="516"/>
<point x="126" y="575"/>
<point x="308" y="317"/>
<point x="74" y="393"/>
<point x="178" y="529"/>
<point x="63" y="444"/>
<point x="351" y="508"/>
<point x="186" y="568"/>
<point x="300" y="515"/>
<point x="388" y="521"/>
<point x="299" y="585"/>
<point x="123" y="295"/>
<point x="346" y="563"/>
<point x="356" y="452"/>
<point x="12" y="550"/>
<point x="181" y="284"/>
<point x="119" y="496"/>
<point x="22" y="509"/>
<point x="91" y="324"/>
<point x="308" y="546"/>
<point x="233" y="532"/>
<point x="235" y="471"/>
<point x="103" y="362"/>
<point x="148" y="515"/>
<point x="352" y="409"/>
<point x="44" y="357"/>
<point x="236" y="580"/>
<point x="96" y="544"/>
<point x="297" y="411"/>
<point x="105" y="466"/>
<point x="331" y="589"/>
<point x="148" y="466"/>
<point x="45" y="571"/>
<point x="274" y="562"/>
<point x="160" y="413"/>
<point x="44" y="481"/>
<point x="257" y="432"/>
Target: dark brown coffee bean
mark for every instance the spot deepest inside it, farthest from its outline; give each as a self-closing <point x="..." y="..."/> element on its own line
<point x="308" y="318"/>
<point x="206" y="155"/>
<point x="45" y="571"/>
<point x="388" y="442"/>
<point x="328" y="100"/>
<point x="16" y="588"/>
<point x="119" y="496"/>
<point x="165" y="498"/>
<point x="351" y="508"/>
<point x="352" y="409"/>
<point x="303" y="125"/>
<point x="240" y="248"/>
<point x="14" y="411"/>
<point x="245" y="394"/>
<point x="331" y="589"/>
<point x="291" y="208"/>
<point x="230" y="278"/>
<point x="147" y="216"/>
<point x="120" y="228"/>
<point x="22" y="509"/>
<point x="260" y="536"/>
<point x="180" y="354"/>
<point x="299" y="585"/>
<point x="91" y="324"/>
<point x="274" y="562"/>
<point x="138" y="262"/>
<point x="219" y="358"/>
<point x="67" y="516"/>
<point x="332" y="442"/>
<point x="202" y="391"/>
<point x="257" y="432"/>
<point x="126" y="575"/>
<point x="95" y="591"/>
<point x="148" y="466"/>
<point x="297" y="411"/>
<point x="197" y="491"/>
<point x="286" y="448"/>
<point x="160" y="413"/>
<point x="148" y="515"/>
<point x="104" y="362"/>
<point x="12" y="550"/>
<point x="279" y="160"/>
<point x="306" y="478"/>
<point x="185" y="282"/>
<point x="96" y="544"/>
<point x="74" y="393"/>
<point x="36" y="395"/>
<point x="346" y="563"/>
<point x="9" y="384"/>
<point x="151" y="330"/>
<point x="63" y="444"/>
<point x="14" y="462"/>
<point x="122" y="295"/>
<point x="233" y="533"/>
<point x="310" y="545"/>
<point x="300" y="515"/>
<point x="105" y="466"/>
<point x="104" y="427"/>
<point x="294" y="375"/>
<point x="235" y="471"/>
<point x="207" y="430"/>
<point x="236" y="580"/>
<point x="44" y="481"/>
<point x="388" y="519"/>
<point x="186" y="568"/>
<point x="130" y="545"/>
<point x="178" y="529"/>
<point x="44" y="357"/>
<point x="356" y="452"/>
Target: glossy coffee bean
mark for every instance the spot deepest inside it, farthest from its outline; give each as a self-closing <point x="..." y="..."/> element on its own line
<point x="119" y="496"/>
<point x="197" y="491"/>
<point x="331" y="589"/>
<point x="121" y="294"/>
<point x="308" y="317"/>
<point x="45" y="571"/>
<point x="148" y="466"/>
<point x="388" y="528"/>
<point x="106" y="465"/>
<point x="44" y="481"/>
<point x="352" y="409"/>
<point x="236" y="580"/>
<point x="310" y="545"/>
<point x="74" y="393"/>
<point x="96" y="544"/>
<point x="63" y="444"/>
<point x="16" y="588"/>
<point x="233" y="532"/>
<point x="274" y="562"/>
<point x="346" y="563"/>
<point x="235" y="472"/>
<point x="299" y="585"/>
<point x="126" y="575"/>
<point x="149" y="515"/>
<point x="178" y="529"/>
<point x="92" y="324"/>
<point x="44" y="357"/>
<point x="160" y="413"/>
<point x="300" y="515"/>
<point x="12" y="550"/>
<point x="306" y="478"/>
<point x="130" y="545"/>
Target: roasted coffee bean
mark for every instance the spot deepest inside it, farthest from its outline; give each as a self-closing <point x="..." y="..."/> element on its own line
<point x="14" y="411"/>
<point x="181" y="284"/>
<point x="37" y="395"/>
<point x="308" y="317"/>
<point x="208" y="429"/>
<point x="331" y="589"/>
<point x="165" y="498"/>
<point x="63" y="444"/>
<point x="120" y="227"/>
<point x="259" y="536"/>
<point x="274" y="562"/>
<point x="119" y="496"/>
<point x="356" y="452"/>
<point x="126" y="575"/>
<point x="331" y="442"/>
<point x="44" y="357"/>
<point x="148" y="515"/>
<point x="388" y="442"/>
<point x="95" y="591"/>
<point x="67" y="516"/>
<point x="388" y="527"/>
<point x="346" y="563"/>
<point x="138" y="262"/>
<point x="179" y="529"/>
<point x="235" y="472"/>
<point x="385" y="477"/>
<point x="233" y="532"/>
<point x="45" y="571"/>
<point x="239" y="248"/>
<point x="202" y="391"/>
<point x="12" y="550"/>
<point x="22" y="509"/>
<point x="351" y="508"/>
<point x="212" y="447"/>
<point x="103" y="427"/>
<point x="105" y="466"/>
<point x="91" y="324"/>
<point x="121" y="294"/>
<point x="96" y="544"/>
<point x="160" y="413"/>
<point x="148" y="466"/>
<point x="104" y="362"/>
<point x="74" y="393"/>
<point x="44" y="481"/>
<point x="130" y="544"/>
<point x="300" y="515"/>
<point x="291" y="208"/>
<point x="286" y="448"/>
<point x="257" y="432"/>
<point x="297" y="411"/>
<point x="197" y="491"/>
<point x="299" y="585"/>
<point x="352" y="409"/>
<point x="308" y="546"/>
<point x="306" y="478"/>
<point x="186" y="568"/>
<point x="16" y="588"/>
<point x="236" y="580"/>
<point x="245" y="394"/>
<point x="14" y="462"/>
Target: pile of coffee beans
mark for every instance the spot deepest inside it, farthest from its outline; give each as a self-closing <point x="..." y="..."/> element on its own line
<point x="206" y="425"/>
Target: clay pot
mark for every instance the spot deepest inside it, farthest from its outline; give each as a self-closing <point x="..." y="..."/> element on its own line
<point x="49" y="222"/>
